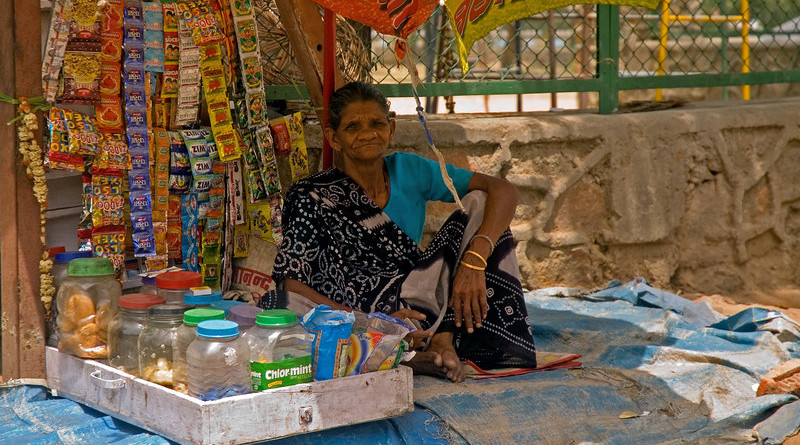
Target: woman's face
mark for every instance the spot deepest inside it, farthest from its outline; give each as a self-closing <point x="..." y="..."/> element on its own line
<point x="364" y="132"/>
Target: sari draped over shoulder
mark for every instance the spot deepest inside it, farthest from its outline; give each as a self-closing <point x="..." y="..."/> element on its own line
<point x="339" y="243"/>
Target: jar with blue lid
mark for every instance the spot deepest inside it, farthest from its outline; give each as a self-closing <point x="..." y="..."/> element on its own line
<point x="198" y="301"/>
<point x="218" y="361"/>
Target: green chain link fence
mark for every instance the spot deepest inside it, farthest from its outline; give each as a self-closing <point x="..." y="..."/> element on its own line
<point x="610" y="51"/>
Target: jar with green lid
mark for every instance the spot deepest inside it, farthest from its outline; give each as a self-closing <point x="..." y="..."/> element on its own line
<point x="280" y="353"/>
<point x="157" y="342"/>
<point x="186" y="334"/>
<point x="218" y="361"/>
<point x="86" y="303"/>
<point x="124" y="330"/>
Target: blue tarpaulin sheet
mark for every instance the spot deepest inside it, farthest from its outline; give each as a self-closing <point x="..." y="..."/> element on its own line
<point x="656" y="369"/>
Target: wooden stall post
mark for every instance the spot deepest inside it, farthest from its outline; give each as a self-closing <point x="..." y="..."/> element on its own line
<point x="23" y="336"/>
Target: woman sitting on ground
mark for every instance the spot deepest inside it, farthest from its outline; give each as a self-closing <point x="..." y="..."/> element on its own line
<point x="350" y="238"/>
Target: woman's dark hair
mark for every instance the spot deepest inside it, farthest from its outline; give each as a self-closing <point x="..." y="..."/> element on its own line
<point x="350" y="93"/>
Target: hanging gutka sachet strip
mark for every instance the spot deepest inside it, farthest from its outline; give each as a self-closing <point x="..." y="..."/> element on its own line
<point x="137" y="130"/>
<point x="169" y="85"/>
<point x="55" y="47"/>
<point x="153" y="36"/>
<point x="215" y="90"/>
<point x="188" y="77"/>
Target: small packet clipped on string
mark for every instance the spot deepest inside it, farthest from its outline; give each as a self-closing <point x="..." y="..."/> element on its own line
<point x="180" y="175"/>
<point x="113" y="152"/>
<point x="81" y="77"/>
<point x="107" y="201"/>
<point x="299" y="153"/>
<point x="174" y="228"/>
<point x="83" y="135"/>
<point x="58" y="154"/>
<point x="190" y="235"/>
<point x="275" y="217"/>
<point x="260" y="225"/>
<point x="280" y="134"/>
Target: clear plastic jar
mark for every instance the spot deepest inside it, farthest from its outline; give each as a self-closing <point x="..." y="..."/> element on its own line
<point x="87" y="301"/>
<point x="187" y="332"/>
<point x="157" y="342"/>
<point x="244" y="315"/>
<point x="148" y="286"/>
<point x="202" y="300"/>
<point x="280" y="353"/>
<point x="172" y="285"/>
<point x="124" y="330"/>
<point x="218" y="361"/>
<point x="60" y="263"/>
<point x="226" y="305"/>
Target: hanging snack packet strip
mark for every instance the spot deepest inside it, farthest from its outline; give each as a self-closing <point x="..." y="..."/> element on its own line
<point x="199" y="160"/>
<point x="161" y="198"/>
<point x="55" y="47"/>
<point x="215" y="90"/>
<point x="85" y="222"/>
<point x="58" y="155"/>
<point x="82" y="55"/>
<point x="266" y="156"/>
<point x="298" y="158"/>
<point x="174" y="228"/>
<point x="188" y="77"/>
<point x="275" y="216"/>
<point x="136" y="112"/>
<point x="252" y="171"/>
<point x="250" y="56"/>
<point x="169" y="86"/>
<point x="153" y="37"/>
<point x="180" y="175"/>
<point x="189" y="236"/>
<point x="109" y="110"/>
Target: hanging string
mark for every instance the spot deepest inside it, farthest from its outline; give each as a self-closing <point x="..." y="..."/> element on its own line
<point x="411" y="64"/>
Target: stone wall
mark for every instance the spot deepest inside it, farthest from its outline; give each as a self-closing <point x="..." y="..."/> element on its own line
<point x="701" y="199"/>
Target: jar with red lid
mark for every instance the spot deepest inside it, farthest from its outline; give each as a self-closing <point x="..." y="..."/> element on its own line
<point x="172" y="285"/>
<point x="124" y="330"/>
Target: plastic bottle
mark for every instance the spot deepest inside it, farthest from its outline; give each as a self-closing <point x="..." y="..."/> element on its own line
<point x="87" y="301"/>
<point x="60" y="263"/>
<point x="124" y="330"/>
<point x="218" y="361"/>
<point x="172" y="285"/>
<point x="157" y="342"/>
<point x="280" y="353"/>
<point x="187" y="332"/>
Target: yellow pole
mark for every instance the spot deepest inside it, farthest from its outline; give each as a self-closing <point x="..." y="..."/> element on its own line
<point x="662" y="44"/>
<point x="745" y="6"/>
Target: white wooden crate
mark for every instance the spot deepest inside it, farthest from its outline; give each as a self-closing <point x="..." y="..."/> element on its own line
<point x="256" y="417"/>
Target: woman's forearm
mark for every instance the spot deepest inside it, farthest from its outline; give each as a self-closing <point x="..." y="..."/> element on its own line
<point x="306" y="291"/>
<point x="501" y="204"/>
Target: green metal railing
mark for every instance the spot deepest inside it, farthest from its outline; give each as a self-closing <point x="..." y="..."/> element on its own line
<point x="578" y="49"/>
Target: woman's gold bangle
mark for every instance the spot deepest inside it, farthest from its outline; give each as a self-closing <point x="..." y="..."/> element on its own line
<point x="466" y="264"/>
<point x="483" y="260"/>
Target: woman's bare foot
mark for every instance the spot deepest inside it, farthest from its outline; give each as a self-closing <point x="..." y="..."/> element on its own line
<point x="440" y="359"/>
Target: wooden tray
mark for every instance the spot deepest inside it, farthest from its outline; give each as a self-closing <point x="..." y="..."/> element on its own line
<point x="255" y="417"/>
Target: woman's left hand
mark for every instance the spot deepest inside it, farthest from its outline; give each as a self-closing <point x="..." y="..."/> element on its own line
<point x="469" y="297"/>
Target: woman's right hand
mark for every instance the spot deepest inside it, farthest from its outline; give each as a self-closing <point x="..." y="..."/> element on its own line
<point x="411" y="314"/>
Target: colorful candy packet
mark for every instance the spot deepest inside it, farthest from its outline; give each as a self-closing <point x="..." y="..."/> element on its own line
<point x="161" y="196"/>
<point x="201" y="21"/>
<point x="266" y="157"/>
<point x="275" y="217"/>
<point x="85" y="26"/>
<point x="180" y="175"/>
<point x="241" y="241"/>
<point x="113" y="152"/>
<point x="280" y="134"/>
<point x="58" y="154"/>
<point x="254" y="183"/>
<point x="81" y="77"/>
<point x="199" y="159"/>
<point x="109" y="242"/>
<point x="83" y="135"/>
<point x="85" y="221"/>
<point x="153" y="37"/>
<point x="298" y="158"/>
<point x="174" y="228"/>
<point x="260" y="225"/>
<point x="236" y="193"/>
<point x="55" y="47"/>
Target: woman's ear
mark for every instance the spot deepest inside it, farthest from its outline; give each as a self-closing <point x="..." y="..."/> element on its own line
<point x="330" y="135"/>
<point x="391" y="128"/>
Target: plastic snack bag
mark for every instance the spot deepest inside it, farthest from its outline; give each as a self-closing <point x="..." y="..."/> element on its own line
<point x="331" y="331"/>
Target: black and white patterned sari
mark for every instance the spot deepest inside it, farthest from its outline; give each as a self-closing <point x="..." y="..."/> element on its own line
<point x="339" y="243"/>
